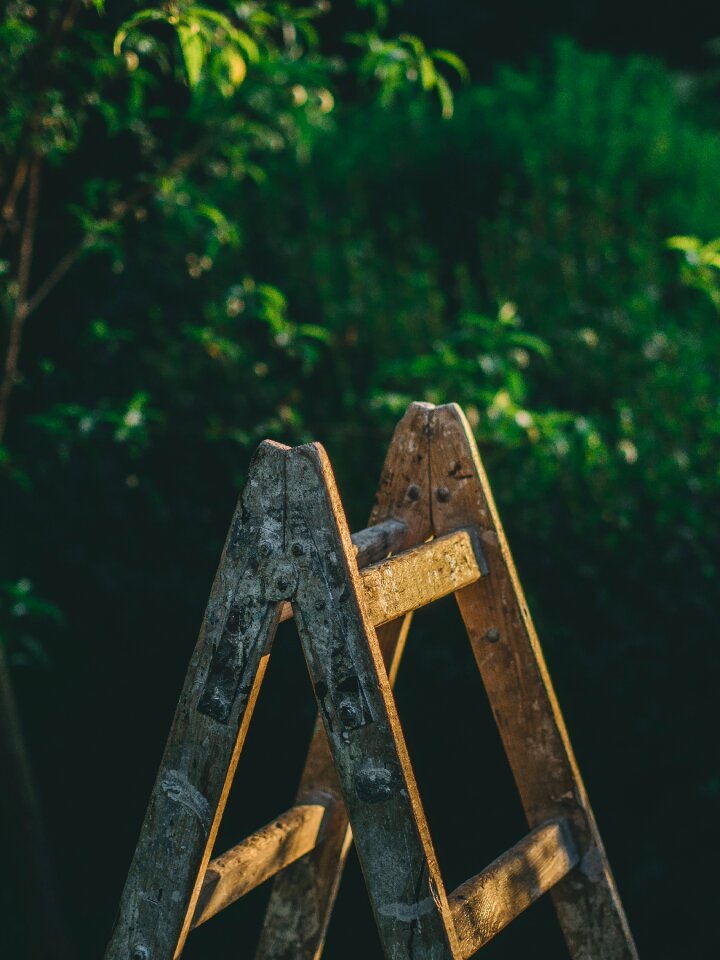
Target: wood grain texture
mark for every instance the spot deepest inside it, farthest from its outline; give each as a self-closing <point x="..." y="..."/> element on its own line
<point x="513" y="669"/>
<point x="303" y="895"/>
<point x="197" y="768"/>
<point x="257" y="858"/>
<point x="487" y="903"/>
<point x="361" y="723"/>
<point x="421" y="575"/>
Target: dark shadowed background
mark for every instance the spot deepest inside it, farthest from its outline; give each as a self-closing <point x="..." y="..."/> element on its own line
<point x="306" y="280"/>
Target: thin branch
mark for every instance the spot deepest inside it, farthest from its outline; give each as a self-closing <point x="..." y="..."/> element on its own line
<point x="8" y="209"/>
<point x="17" y="323"/>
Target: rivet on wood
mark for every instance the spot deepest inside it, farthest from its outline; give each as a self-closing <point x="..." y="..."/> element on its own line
<point x="140" y="952"/>
<point x="374" y="784"/>
<point x="413" y="492"/>
<point x="297" y="550"/>
<point x="492" y="635"/>
<point x="443" y="494"/>
<point x="348" y="712"/>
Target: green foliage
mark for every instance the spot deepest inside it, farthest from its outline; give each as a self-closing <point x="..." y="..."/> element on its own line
<point x="130" y="129"/>
<point x="295" y="247"/>
<point x="24" y="620"/>
<point x="701" y="266"/>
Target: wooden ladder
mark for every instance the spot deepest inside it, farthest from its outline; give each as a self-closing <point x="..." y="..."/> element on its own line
<point x="434" y="530"/>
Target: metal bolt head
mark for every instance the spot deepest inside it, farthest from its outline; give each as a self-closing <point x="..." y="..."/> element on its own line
<point x="374" y="784"/>
<point x="413" y="492"/>
<point x="140" y="952"/>
<point x="492" y="635"/>
<point x="348" y="712"/>
<point x="443" y="494"/>
<point x="282" y="584"/>
<point x="297" y="550"/>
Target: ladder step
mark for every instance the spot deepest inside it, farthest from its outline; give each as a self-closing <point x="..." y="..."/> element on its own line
<point x="422" y="574"/>
<point x="416" y="577"/>
<point x="485" y="904"/>
<point x="258" y="857"/>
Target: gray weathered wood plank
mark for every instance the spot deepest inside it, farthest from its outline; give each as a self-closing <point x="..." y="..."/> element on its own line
<point x="363" y="730"/>
<point x="511" y="662"/>
<point x="257" y="858"/>
<point x="208" y="730"/>
<point x="487" y="903"/>
<point x="303" y="895"/>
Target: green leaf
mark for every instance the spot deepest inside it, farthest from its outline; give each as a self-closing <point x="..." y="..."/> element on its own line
<point x="453" y="60"/>
<point x="446" y="96"/>
<point x="193" y="48"/>
<point x="428" y="76"/>
<point x="143" y="16"/>
<point x="688" y="244"/>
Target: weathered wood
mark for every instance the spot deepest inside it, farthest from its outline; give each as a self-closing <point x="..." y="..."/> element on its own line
<point x="488" y="902"/>
<point x="303" y="895"/>
<point x="370" y="545"/>
<point x="513" y="669"/>
<point x="209" y="728"/>
<point x="419" y="576"/>
<point x="257" y="858"/>
<point x="363" y="730"/>
<point x="375" y="543"/>
<point x="289" y="542"/>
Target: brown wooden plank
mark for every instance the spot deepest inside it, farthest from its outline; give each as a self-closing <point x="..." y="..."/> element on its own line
<point x="513" y="669"/>
<point x="419" y="576"/>
<point x="488" y="902"/>
<point x="303" y="895"/>
<point x="257" y="858"/>
<point x="363" y="730"/>
<point x="209" y="728"/>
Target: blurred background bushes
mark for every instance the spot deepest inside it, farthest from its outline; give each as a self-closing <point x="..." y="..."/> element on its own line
<point x="513" y="258"/>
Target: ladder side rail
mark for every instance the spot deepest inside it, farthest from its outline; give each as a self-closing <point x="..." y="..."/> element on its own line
<point x="353" y="693"/>
<point x="303" y="895"/>
<point x="215" y="707"/>
<point x="512" y="666"/>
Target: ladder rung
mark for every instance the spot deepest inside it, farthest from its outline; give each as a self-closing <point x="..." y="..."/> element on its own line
<point x="257" y="858"/>
<point x="488" y="902"/>
<point x="376" y="542"/>
<point x="416" y="577"/>
<point x="422" y="574"/>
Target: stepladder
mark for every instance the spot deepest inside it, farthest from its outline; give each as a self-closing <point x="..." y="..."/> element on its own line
<point x="433" y="531"/>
